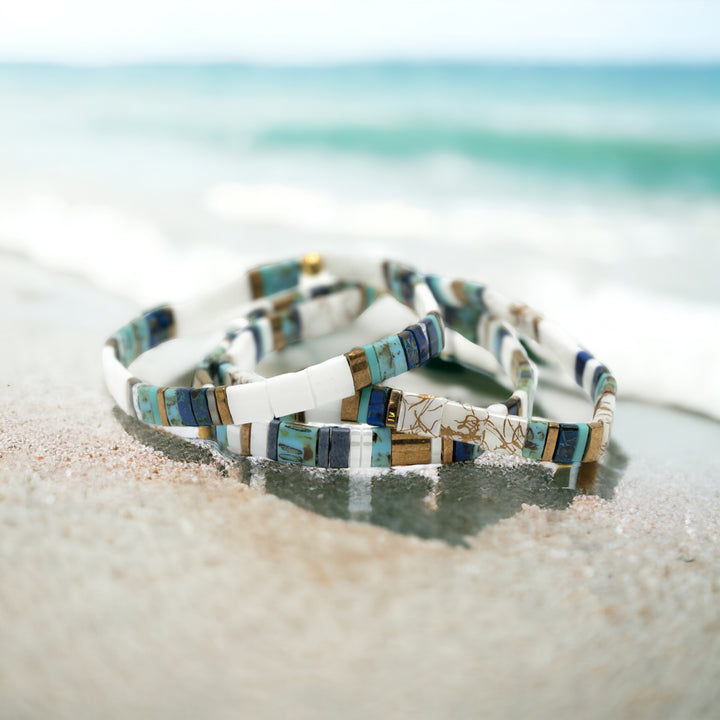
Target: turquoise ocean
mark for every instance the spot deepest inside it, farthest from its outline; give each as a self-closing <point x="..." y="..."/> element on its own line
<point x="591" y="191"/>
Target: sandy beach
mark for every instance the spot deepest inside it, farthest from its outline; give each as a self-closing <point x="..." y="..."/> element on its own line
<point x="144" y="578"/>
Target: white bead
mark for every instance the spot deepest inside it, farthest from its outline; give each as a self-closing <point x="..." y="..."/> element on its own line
<point x="366" y="448"/>
<point x="330" y="380"/>
<point x="258" y="439"/>
<point x="347" y="306"/>
<point x="355" y="455"/>
<point x="266" y="333"/>
<point x="290" y="393"/>
<point x="498" y="409"/>
<point x="249" y="403"/>
<point x="116" y="378"/>
<point x="505" y="434"/>
<point x="243" y="350"/>
<point x="560" y="344"/>
<point x="233" y="439"/>
<point x="463" y="422"/>
<point x="424" y="301"/>
<point x="590" y="367"/>
<point x="421" y="415"/>
<point x="315" y="318"/>
<point x="436" y="450"/>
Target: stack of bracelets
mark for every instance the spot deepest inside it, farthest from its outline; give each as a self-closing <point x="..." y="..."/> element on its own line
<point x="339" y="413"/>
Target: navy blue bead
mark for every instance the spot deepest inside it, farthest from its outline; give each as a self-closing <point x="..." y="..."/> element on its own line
<point x="500" y="335"/>
<point x="184" y="406"/>
<point x="339" y="447"/>
<point x="160" y="321"/>
<point x="323" y="447"/>
<point x="272" y="439"/>
<point x="566" y="443"/>
<point x="580" y="361"/>
<point x="513" y="406"/>
<point x="257" y="336"/>
<point x="412" y="354"/>
<point x="421" y="341"/>
<point x="464" y="451"/>
<point x="377" y="407"/>
<point x="198" y="398"/>
<point x="433" y="340"/>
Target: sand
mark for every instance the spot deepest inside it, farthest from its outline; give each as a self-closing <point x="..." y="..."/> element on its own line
<point x="143" y="579"/>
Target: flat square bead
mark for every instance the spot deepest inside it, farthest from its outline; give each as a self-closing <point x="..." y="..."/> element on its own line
<point x="420" y="336"/>
<point x="421" y="414"/>
<point x="377" y="406"/>
<point x="505" y="434"/>
<point x="465" y="423"/>
<point x="339" y="447"/>
<point x="297" y="443"/>
<point x="381" y="447"/>
<point x="290" y="393"/>
<point x="323" y="446"/>
<point x="566" y="444"/>
<point x="463" y="452"/>
<point x="373" y="365"/>
<point x="330" y="380"/>
<point x="258" y="439"/>
<point x="249" y="403"/>
<point x="535" y="439"/>
<point x="412" y="355"/>
<point x="201" y="411"/>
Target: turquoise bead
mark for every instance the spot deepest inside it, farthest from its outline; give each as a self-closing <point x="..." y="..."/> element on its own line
<point x="297" y="444"/>
<point x="221" y="435"/>
<point x="373" y="364"/>
<point x="535" y="440"/>
<point x="364" y="404"/>
<point x="148" y="404"/>
<point x="279" y="276"/>
<point x="142" y="333"/>
<point x="390" y="357"/>
<point x="171" y="408"/>
<point x="381" y="447"/>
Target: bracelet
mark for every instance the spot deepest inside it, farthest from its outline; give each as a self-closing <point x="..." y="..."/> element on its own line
<point x="279" y="396"/>
<point x="366" y="444"/>
<point x="466" y="307"/>
<point x="476" y="312"/>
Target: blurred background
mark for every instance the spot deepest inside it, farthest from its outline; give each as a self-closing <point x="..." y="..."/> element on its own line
<point x="568" y="154"/>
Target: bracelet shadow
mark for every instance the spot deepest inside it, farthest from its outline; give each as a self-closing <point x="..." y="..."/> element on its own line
<point x="450" y="503"/>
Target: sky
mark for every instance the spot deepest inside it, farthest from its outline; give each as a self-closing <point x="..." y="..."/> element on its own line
<point x="327" y="31"/>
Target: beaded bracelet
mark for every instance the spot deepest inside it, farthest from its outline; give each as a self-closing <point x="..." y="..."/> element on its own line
<point x="468" y="307"/>
<point x="363" y="444"/>
<point x="279" y="396"/>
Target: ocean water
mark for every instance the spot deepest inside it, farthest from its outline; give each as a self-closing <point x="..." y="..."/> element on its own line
<point x="591" y="192"/>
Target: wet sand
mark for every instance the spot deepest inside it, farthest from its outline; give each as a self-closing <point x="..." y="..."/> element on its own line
<point x="140" y="577"/>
